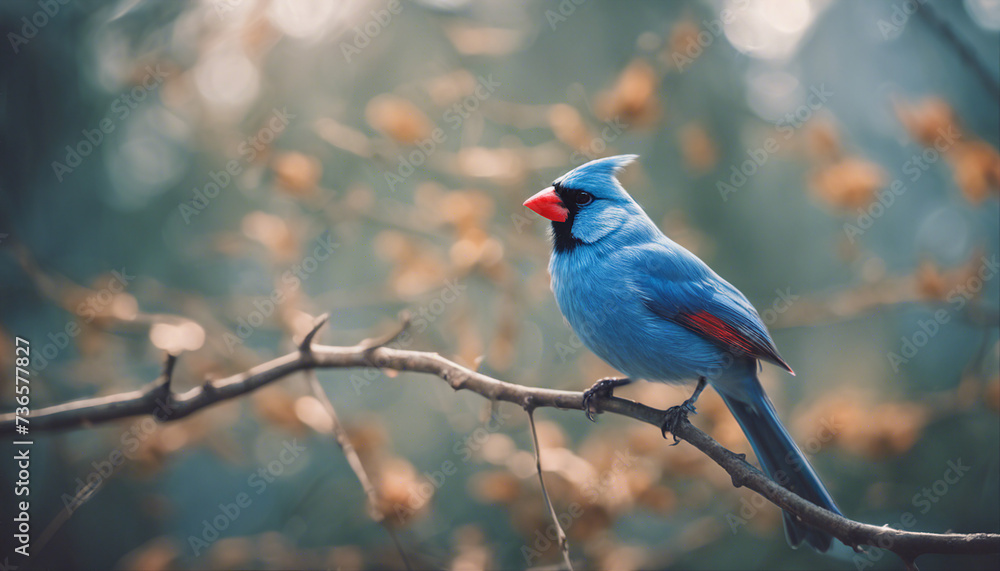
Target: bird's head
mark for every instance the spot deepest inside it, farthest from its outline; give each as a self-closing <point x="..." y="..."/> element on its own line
<point x="587" y="203"/>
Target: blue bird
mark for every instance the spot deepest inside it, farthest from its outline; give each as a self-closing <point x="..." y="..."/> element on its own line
<point x="654" y="311"/>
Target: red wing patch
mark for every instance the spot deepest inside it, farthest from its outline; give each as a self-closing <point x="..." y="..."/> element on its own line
<point x="718" y="330"/>
<point x="711" y="326"/>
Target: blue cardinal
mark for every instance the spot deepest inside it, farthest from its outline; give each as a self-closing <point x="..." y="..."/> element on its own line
<point x="654" y="311"/>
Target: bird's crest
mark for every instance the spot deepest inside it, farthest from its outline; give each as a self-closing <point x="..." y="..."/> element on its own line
<point x="597" y="173"/>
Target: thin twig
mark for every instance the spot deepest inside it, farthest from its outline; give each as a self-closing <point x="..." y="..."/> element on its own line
<point x="168" y="373"/>
<point x="82" y="496"/>
<point x="344" y="440"/>
<point x="563" y="543"/>
<point x="355" y="463"/>
<point x="306" y="345"/>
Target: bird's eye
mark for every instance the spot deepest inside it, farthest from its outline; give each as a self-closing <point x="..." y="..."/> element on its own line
<point x="583" y="198"/>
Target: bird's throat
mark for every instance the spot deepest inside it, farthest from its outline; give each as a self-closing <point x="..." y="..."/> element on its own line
<point x="563" y="239"/>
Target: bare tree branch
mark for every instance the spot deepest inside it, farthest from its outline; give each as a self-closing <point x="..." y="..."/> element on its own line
<point x="168" y="406"/>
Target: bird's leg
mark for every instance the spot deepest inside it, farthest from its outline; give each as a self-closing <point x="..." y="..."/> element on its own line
<point x="677" y="414"/>
<point x="602" y="388"/>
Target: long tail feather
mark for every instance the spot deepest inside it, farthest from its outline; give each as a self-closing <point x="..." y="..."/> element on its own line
<point x="783" y="462"/>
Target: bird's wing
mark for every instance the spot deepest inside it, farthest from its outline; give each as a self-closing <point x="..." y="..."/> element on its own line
<point x="677" y="286"/>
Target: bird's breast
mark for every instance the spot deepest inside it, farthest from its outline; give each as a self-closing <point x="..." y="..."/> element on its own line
<point x="605" y="311"/>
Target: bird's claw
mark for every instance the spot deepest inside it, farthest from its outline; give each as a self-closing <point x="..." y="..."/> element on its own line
<point x="674" y="416"/>
<point x="602" y="388"/>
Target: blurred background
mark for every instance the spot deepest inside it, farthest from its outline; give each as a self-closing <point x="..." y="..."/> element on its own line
<point x="203" y="178"/>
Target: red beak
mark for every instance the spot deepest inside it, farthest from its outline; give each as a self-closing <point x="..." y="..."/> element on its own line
<point x="547" y="203"/>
